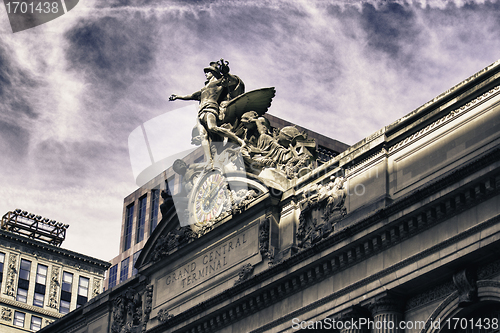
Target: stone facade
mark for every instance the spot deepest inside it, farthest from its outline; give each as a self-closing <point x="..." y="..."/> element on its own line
<point x="402" y="228"/>
<point x="32" y="303"/>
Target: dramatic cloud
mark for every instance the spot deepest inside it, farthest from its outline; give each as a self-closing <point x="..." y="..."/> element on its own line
<point x="75" y="88"/>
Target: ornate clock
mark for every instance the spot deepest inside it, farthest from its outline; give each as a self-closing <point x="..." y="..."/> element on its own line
<point x="210" y="197"/>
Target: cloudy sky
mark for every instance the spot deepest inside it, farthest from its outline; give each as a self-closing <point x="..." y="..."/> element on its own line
<point x="74" y="89"/>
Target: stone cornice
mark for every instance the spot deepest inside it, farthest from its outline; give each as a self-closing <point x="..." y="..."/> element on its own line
<point x="448" y="117"/>
<point x="377" y="241"/>
<point x="24" y="306"/>
<point x="104" y="265"/>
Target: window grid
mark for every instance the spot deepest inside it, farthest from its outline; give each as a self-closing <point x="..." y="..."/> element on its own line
<point x="83" y="291"/>
<point x="24" y="281"/>
<point x="67" y="282"/>
<point x="36" y="323"/>
<point x="40" y="282"/>
<point x="19" y="318"/>
<point x="41" y="274"/>
<point x="129" y="218"/>
<point x="2" y="260"/>
<point x="134" y="259"/>
<point x="155" y="203"/>
<point x="22" y="295"/>
<point x="141" y="219"/>
<point x="113" y="272"/>
<point x="124" y="269"/>
<point x="24" y="271"/>
<point x="64" y="307"/>
<point x="38" y="299"/>
<point x="67" y="285"/>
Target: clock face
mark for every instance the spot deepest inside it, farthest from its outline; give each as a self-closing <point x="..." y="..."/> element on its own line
<point x="210" y="197"/>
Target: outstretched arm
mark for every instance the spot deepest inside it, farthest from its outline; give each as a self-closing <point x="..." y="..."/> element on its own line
<point x="193" y="97"/>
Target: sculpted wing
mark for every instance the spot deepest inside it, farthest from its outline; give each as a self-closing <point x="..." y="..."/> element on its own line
<point x="256" y="100"/>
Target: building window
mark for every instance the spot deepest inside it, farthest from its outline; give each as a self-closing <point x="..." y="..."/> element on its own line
<point x="129" y="218"/>
<point x="134" y="259"/>
<point x="64" y="307"/>
<point x="83" y="291"/>
<point x="113" y="272"/>
<point x="2" y="260"/>
<point x="36" y="323"/>
<point x="19" y="318"/>
<point x="22" y="295"/>
<point x="24" y="281"/>
<point x="67" y="285"/>
<point x="40" y="282"/>
<point x="155" y="203"/>
<point x="124" y="270"/>
<point x="141" y="219"/>
<point x="170" y="185"/>
<point x="24" y="272"/>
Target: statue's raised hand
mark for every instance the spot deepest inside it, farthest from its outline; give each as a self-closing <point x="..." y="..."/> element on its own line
<point x="173" y="97"/>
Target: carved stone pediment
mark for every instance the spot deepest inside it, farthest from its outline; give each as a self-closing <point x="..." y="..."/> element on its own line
<point x="168" y="242"/>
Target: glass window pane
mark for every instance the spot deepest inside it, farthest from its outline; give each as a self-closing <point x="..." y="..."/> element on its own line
<point x="22" y="295"/>
<point x="24" y="271"/>
<point x="67" y="281"/>
<point x="141" y="219"/>
<point x="113" y="273"/>
<point x="134" y="259"/>
<point x="64" y="307"/>
<point x="83" y="286"/>
<point x="38" y="300"/>
<point x="2" y="260"/>
<point x="124" y="270"/>
<point x="41" y="274"/>
<point x="129" y="218"/>
<point x="155" y="200"/>
<point x="36" y="323"/>
<point x="19" y="319"/>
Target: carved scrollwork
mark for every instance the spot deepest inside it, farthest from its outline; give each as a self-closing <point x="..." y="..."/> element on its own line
<point x="96" y="290"/>
<point x="264" y="237"/>
<point x="322" y="208"/>
<point x="177" y="237"/>
<point x="54" y="287"/>
<point x="164" y="316"/>
<point x="11" y="275"/>
<point x="6" y="314"/>
<point x="465" y="283"/>
<point x="148" y="306"/>
<point x="241" y="200"/>
<point x="244" y="273"/>
<point x="128" y="315"/>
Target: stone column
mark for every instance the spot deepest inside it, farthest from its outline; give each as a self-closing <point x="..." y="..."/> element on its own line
<point x="387" y="312"/>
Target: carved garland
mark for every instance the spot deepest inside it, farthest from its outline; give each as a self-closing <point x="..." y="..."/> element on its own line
<point x="97" y="288"/>
<point x="6" y="314"/>
<point x="171" y="241"/>
<point x="148" y="306"/>
<point x="131" y="310"/>
<point x="164" y="316"/>
<point x="321" y="209"/>
<point x="54" y="287"/>
<point x="11" y="275"/>
<point x="244" y="273"/>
